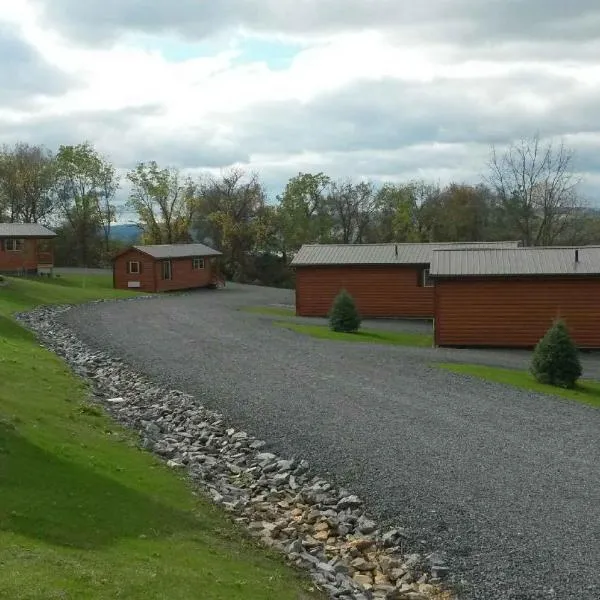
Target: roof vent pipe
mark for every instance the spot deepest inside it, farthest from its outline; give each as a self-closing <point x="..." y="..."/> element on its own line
<point x="396" y="250"/>
<point x="576" y="256"/>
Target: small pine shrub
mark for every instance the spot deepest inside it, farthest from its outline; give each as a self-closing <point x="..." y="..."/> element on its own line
<point x="555" y="358"/>
<point x="343" y="316"/>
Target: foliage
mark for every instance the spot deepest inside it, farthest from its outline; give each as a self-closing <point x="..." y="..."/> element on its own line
<point x="367" y="336"/>
<point x="163" y="202"/>
<point x="27" y="179"/>
<point x="230" y="213"/>
<point x="86" y="184"/>
<point x="84" y="512"/>
<point x="303" y="211"/>
<point x="555" y="359"/>
<point x="343" y="316"/>
<point x="529" y="194"/>
<point x="586" y="391"/>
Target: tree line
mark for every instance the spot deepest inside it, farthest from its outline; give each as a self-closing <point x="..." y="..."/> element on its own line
<point x="529" y="193"/>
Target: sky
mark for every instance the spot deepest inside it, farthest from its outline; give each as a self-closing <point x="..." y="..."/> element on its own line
<point x="368" y="89"/>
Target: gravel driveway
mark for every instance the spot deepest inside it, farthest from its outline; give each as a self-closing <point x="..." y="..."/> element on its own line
<point x="506" y="482"/>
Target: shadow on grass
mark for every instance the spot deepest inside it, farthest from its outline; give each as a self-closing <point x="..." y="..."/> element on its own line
<point x="59" y="502"/>
<point x="10" y="329"/>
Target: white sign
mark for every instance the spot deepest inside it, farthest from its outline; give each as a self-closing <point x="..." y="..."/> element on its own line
<point x="134" y="284"/>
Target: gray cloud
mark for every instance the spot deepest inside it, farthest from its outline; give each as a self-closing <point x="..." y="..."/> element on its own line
<point x="24" y="73"/>
<point x="388" y="114"/>
<point x="125" y="138"/>
<point x="464" y="21"/>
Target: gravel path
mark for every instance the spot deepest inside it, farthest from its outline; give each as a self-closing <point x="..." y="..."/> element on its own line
<point x="506" y="482"/>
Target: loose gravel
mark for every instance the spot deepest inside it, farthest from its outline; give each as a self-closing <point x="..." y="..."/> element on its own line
<point x="505" y="482"/>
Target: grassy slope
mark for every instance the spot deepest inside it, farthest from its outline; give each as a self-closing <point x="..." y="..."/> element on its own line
<point x="83" y="512"/>
<point x="373" y="336"/>
<point x="587" y="391"/>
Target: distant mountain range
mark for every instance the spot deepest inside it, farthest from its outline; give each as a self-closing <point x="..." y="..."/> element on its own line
<point x="128" y="233"/>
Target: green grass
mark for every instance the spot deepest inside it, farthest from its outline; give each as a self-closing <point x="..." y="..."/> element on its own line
<point x="84" y="513"/>
<point x="276" y="311"/>
<point x="22" y="293"/>
<point x="371" y="336"/>
<point x="587" y="391"/>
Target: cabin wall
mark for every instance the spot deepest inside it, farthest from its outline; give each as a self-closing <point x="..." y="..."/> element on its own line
<point x="379" y="291"/>
<point x="123" y="280"/>
<point x="515" y="312"/>
<point x="15" y="261"/>
<point x="183" y="276"/>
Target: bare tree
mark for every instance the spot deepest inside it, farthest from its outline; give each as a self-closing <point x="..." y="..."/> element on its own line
<point x="536" y="189"/>
<point x="351" y="207"/>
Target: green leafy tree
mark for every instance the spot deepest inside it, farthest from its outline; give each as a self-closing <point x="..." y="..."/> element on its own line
<point x="303" y="211"/>
<point x="85" y="186"/>
<point x="163" y="202"/>
<point x="344" y="316"/>
<point x="555" y="359"/>
<point x="230" y="213"/>
<point x="27" y="178"/>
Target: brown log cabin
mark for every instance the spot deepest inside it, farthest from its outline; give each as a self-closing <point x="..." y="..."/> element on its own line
<point x="385" y="280"/>
<point x="26" y="249"/>
<point x="167" y="267"/>
<point x="508" y="298"/>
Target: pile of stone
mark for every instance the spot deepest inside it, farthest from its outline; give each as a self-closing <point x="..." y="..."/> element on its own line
<point x="279" y="501"/>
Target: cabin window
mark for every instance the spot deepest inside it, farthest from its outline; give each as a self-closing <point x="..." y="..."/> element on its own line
<point x="14" y="245"/>
<point x="197" y="263"/>
<point x="134" y="267"/>
<point x="166" y="269"/>
<point x="426" y="280"/>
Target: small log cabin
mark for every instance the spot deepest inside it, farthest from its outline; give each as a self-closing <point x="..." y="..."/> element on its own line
<point x="26" y="249"/>
<point x="166" y="267"/>
<point x="508" y="298"/>
<point x="386" y="280"/>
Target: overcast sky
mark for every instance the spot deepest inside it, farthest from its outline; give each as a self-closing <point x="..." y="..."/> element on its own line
<point x="378" y="89"/>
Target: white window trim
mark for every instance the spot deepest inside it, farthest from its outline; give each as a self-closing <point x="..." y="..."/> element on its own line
<point x="14" y="243"/>
<point x="170" y="277"/>
<point x="425" y="276"/>
<point x="135" y="271"/>
<point x="198" y="260"/>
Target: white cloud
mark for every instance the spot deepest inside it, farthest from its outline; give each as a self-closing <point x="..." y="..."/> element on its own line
<point x="356" y="101"/>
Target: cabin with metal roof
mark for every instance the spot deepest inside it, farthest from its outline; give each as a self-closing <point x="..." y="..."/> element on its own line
<point x="26" y="249"/>
<point x="386" y="280"/>
<point x="509" y="297"/>
<point x="167" y="267"/>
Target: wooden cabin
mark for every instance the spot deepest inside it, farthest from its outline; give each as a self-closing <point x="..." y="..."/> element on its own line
<point x="510" y="297"/>
<point x="26" y="249"/>
<point x="166" y="267"/>
<point x="386" y="280"/>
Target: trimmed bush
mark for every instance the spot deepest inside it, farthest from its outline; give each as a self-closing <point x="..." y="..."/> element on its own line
<point x="343" y="315"/>
<point x="555" y="358"/>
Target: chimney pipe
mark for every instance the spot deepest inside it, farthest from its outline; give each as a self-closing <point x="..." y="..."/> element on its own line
<point x="576" y="256"/>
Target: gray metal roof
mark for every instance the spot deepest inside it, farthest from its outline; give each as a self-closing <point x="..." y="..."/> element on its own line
<point x="380" y="254"/>
<point x="516" y="261"/>
<point x="177" y="250"/>
<point x="25" y="230"/>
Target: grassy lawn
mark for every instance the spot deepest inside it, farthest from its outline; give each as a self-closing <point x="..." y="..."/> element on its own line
<point x="85" y="514"/>
<point x="587" y="391"/>
<point x="275" y="311"/>
<point x="372" y="336"/>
